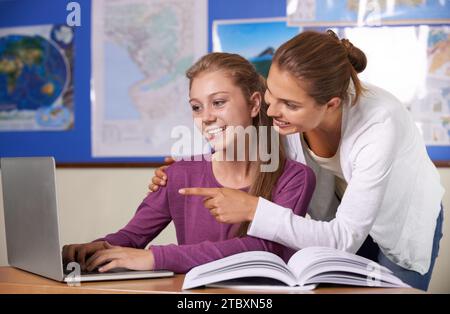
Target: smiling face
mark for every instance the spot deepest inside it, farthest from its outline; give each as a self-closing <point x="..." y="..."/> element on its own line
<point x="217" y="103"/>
<point x="290" y="106"/>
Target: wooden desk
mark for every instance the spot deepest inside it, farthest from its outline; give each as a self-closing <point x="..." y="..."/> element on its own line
<point x="16" y="281"/>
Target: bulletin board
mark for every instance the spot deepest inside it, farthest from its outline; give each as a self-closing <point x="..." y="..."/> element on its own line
<point x="73" y="147"/>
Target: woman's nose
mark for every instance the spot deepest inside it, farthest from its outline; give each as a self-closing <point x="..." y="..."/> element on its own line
<point x="271" y="103"/>
<point x="273" y="110"/>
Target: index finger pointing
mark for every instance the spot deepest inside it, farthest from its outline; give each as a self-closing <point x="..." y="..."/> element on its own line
<point x="209" y="192"/>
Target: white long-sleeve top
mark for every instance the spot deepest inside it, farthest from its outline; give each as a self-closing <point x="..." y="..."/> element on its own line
<point x="393" y="193"/>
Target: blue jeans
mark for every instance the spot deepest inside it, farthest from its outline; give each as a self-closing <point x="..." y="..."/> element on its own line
<point x="370" y="250"/>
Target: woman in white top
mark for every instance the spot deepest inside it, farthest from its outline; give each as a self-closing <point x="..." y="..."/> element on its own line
<point x="377" y="192"/>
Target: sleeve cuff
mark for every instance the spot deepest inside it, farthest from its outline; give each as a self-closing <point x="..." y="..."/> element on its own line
<point x="267" y="218"/>
<point x="157" y="257"/>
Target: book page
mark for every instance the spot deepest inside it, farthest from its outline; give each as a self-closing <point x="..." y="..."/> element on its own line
<point x="322" y="264"/>
<point x="305" y="258"/>
<point x="257" y="284"/>
<point x="242" y="265"/>
<point x="252" y="257"/>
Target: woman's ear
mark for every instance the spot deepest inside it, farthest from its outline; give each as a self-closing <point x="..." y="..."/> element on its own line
<point x="255" y="102"/>
<point x="334" y="103"/>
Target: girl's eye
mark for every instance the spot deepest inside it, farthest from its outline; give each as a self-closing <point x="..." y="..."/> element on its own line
<point x="218" y="103"/>
<point x="196" y="108"/>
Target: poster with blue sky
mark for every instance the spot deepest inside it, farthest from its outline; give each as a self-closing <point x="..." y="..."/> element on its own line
<point x="254" y="39"/>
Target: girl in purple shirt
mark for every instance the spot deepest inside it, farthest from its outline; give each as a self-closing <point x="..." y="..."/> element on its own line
<point x="225" y="92"/>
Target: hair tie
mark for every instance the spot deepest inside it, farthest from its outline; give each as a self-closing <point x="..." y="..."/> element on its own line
<point x="347" y="45"/>
<point x="344" y="42"/>
<point x="332" y="34"/>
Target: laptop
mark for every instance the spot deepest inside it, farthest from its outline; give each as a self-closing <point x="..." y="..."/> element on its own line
<point x="32" y="228"/>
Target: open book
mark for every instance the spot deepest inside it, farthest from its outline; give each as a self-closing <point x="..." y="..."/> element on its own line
<point x="305" y="270"/>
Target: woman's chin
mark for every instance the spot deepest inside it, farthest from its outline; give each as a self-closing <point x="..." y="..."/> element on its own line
<point x="287" y="130"/>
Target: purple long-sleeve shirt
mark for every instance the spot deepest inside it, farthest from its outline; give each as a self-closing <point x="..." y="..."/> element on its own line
<point x="201" y="238"/>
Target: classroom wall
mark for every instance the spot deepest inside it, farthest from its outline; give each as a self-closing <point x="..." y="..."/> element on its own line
<point x="94" y="202"/>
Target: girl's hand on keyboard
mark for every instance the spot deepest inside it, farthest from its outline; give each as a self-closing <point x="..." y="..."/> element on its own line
<point x="121" y="257"/>
<point x="80" y="252"/>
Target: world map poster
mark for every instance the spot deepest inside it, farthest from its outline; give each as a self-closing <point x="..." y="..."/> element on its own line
<point x="36" y="78"/>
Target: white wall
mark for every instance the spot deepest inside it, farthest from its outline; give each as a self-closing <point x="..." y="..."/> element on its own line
<point x="94" y="202"/>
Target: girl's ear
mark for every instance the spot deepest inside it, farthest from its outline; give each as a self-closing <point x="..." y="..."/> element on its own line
<point x="255" y="102"/>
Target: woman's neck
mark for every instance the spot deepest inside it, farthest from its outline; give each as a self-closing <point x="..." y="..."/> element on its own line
<point x="325" y="139"/>
<point x="233" y="174"/>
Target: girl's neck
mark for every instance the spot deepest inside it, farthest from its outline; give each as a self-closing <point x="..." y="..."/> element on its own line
<point x="233" y="174"/>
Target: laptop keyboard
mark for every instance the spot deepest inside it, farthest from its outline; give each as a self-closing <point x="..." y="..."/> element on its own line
<point x="83" y="272"/>
<point x="96" y="272"/>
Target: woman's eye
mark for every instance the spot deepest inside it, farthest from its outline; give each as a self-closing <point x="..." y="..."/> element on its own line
<point x="291" y="106"/>
<point x="195" y="108"/>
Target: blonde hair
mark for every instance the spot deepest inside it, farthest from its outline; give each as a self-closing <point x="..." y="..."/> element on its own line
<point x="245" y="76"/>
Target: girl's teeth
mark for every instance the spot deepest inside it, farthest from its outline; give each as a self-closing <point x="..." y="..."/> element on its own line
<point x="215" y="131"/>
